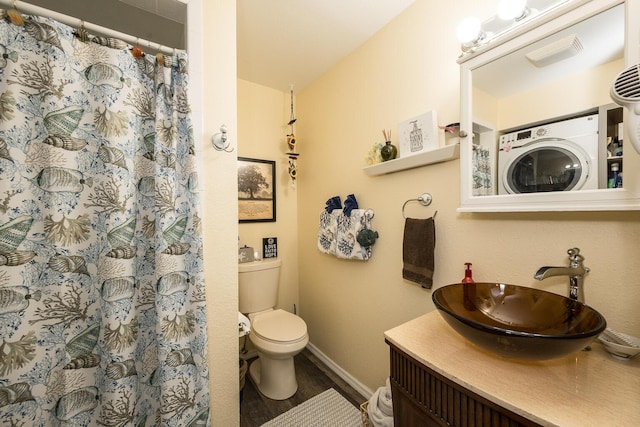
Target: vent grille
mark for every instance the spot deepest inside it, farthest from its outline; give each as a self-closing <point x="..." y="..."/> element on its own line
<point x="556" y="51"/>
<point x="627" y="85"/>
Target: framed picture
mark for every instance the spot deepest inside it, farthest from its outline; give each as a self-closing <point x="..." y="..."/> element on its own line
<point x="256" y="190"/>
<point x="418" y="134"/>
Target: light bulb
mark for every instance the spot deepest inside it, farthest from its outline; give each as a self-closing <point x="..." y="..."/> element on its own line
<point x="468" y="30"/>
<point x="511" y="9"/>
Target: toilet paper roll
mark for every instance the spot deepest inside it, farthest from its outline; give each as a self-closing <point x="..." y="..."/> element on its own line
<point x="244" y="325"/>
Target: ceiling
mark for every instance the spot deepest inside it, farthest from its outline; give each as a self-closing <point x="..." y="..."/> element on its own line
<point x="292" y="42"/>
<point x="279" y="42"/>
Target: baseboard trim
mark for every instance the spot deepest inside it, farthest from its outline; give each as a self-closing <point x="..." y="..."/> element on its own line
<point x="357" y="385"/>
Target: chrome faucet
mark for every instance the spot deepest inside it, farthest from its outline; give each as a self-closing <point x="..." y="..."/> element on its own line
<point x="576" y="271"/>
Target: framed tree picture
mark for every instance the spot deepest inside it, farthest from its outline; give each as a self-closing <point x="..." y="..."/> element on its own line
<point x="256" y="190"/>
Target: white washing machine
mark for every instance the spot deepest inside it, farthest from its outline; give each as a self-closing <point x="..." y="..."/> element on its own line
<point x="559" y="156"/>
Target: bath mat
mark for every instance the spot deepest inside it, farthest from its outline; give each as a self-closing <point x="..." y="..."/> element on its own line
<point x="328" y="409"/>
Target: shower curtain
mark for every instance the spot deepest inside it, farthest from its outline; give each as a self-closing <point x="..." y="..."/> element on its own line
<point x="102" y="302"/>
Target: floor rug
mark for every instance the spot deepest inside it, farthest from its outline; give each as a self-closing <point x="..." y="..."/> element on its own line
<point x="328" y="409"/>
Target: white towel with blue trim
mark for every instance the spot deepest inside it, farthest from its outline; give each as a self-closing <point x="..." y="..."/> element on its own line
<point x="327" y="231"/>
<point x="347" y="247"/>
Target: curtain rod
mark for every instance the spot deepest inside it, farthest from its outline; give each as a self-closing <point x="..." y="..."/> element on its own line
<point x="29" y="9"/>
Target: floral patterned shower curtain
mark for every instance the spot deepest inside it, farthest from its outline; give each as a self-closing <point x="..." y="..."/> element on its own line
<point x="102" y="305"/>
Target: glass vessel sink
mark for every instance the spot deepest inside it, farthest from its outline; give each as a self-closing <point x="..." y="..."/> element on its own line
<point x="518" y="322"/>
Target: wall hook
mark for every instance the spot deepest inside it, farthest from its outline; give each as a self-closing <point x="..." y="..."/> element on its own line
<point x="220" y="140"/>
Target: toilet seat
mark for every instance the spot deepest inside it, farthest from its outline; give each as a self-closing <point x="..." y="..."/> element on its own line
<point x="279" y="326"/>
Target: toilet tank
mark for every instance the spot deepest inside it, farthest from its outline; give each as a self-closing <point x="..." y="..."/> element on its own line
<point x="258" y="285"/>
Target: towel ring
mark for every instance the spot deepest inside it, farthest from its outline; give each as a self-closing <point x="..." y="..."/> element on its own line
<point x="425" y="200"/>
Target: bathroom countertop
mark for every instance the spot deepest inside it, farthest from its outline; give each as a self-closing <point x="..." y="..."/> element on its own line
<point x="588" y="388"/>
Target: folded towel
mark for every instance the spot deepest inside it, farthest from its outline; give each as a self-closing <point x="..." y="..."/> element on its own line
<point x="347" y="246"/>
<point x="418" y="251"/>
<point x="333" y="203"/>
<point x="244" y="325"/>
<point x="327" y="231"/>
<point x="384" y="399"/>
<point x="380" y="408"/>
<point x="350" y="204"/>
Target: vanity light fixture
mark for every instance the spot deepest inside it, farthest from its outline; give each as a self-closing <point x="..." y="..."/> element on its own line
<point x="470" y="33"/>
<point x="513" y="10"/>
<point x="473" y="34"/>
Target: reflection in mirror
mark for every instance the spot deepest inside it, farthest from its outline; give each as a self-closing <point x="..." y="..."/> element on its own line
<point x="541" y="112"/>
<point x="543" y="117"/>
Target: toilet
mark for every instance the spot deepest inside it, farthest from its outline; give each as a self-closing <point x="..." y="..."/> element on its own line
<point x="276" y="334"/>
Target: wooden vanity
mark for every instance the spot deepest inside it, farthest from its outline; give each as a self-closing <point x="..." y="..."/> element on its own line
<point x="440" y="379"/>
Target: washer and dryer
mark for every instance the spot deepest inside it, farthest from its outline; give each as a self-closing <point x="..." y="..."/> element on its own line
<point x="559" y="156"/>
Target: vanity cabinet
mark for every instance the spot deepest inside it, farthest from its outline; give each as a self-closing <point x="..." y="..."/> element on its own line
<point x="438" y="378"/>
<point x="422" y="397"/>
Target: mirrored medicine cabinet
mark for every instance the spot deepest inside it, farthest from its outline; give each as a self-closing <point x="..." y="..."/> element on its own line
<point x="575" y="52"/>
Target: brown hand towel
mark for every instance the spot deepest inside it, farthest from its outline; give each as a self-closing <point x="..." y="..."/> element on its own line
<point x="417" y="251"/>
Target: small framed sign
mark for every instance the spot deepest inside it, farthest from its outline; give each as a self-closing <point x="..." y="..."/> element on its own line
<point x="418" y="134"/>
<point x="270" y="247"/>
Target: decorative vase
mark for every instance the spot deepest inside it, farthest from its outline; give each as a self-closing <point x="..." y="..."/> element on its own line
<point x="388" y="151"/>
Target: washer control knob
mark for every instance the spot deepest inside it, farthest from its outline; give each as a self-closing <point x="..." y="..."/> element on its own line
<point x="541" y="131"/>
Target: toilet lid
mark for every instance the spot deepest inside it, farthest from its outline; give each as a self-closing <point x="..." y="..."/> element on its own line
<point x="279" y="325"/>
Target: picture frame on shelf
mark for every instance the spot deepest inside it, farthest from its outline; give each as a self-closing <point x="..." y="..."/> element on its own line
<point x="418" y="134"/>
<point x="256" y="190"/>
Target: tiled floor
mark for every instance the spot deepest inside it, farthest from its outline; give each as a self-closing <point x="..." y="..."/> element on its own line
<point x="313" y="378"/>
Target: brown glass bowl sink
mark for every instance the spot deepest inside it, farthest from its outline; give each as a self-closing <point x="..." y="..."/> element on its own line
<point x="518" y="322"/>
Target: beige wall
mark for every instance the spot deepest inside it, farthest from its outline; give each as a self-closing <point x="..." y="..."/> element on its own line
<point x="220" y="219"/>
<point x="263" y="114"/>
<point x="534" y="106"/>
<point x="569" y="95"/>
<point x="406" y="69"/>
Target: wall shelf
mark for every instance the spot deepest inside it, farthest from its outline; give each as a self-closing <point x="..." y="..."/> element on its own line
<point x="441" y="154"/>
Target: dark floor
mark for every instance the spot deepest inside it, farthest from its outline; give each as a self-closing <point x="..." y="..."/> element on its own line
<point x="313" y="378"/>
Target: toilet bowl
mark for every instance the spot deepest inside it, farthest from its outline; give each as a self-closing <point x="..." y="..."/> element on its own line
<point x="277" y="336"/>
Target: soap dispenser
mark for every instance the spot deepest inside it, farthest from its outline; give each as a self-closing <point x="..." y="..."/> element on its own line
<point x="468" y="277"/>
<point x="469" y="289"/>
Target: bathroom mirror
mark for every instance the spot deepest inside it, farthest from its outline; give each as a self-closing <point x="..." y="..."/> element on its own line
<point x="575" y="52"/>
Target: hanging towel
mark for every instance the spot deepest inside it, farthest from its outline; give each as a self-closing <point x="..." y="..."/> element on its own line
<point x="327" y="231"/>
<point x="418" y="251"/>
<point x="347" y="246"/>
<point x="328" y="226"/>
<point x="333" y="203"/>
<point x="350" y="204"/>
